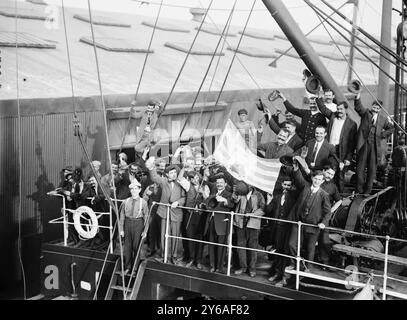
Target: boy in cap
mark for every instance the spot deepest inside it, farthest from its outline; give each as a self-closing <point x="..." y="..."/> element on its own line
<point x="147" y="125"/>
<point x="247" y="129"/>
<point x="133" y="215"/>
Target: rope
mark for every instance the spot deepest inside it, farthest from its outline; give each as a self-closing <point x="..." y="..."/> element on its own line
<point x="240" y="61"/>
<point x="20" y="162"/>
<point x="226" y="27"/>
<point x="69" y="60"/>
<point x="365" y="33"/>
<point x="357" y="75"/>
<point x="141" y="74"/>
<point x="215" y="9"/>
<point x="77" y="130"/>
<point x="186" y="57"/>
<point x="307" y="34"/>
<point x="360" y="39"/>
<point x="230" y="66"/>
<point x="115" y="209"/>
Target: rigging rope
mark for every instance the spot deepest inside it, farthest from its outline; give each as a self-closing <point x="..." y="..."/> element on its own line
<point x="115" y="208"/>
<point x="230" y="66"/>
<point x="79" y="134"/>
<point x="365" y="33"/>
<point x="357" y="75"/>
<point x="141" y="74"/>
<point x="187" y="56"/>
<point x="228" y="21"/>
<point x="357" y="48"/>
<point x="307" y="34"/>
<point x="360" y="39"/>
<point x="20" y="162"/>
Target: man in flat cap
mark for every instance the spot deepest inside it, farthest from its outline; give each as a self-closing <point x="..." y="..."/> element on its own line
<point x="133" y="217"/>
<point x="173" y="194"/>
<point x="148" y="123"/>
<point x="247" y="129"/>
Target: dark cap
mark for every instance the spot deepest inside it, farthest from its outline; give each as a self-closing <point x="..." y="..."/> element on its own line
<point x="171" y="167"/>
<point x="242" y="111"/>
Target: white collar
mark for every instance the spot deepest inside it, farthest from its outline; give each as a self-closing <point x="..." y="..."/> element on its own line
<point x="313" y="189"/>
<point x="315" y="112"/>
<point x="249" y="195"/>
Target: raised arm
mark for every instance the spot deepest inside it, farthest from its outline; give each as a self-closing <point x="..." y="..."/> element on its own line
<point x="295" y="111"/>
<point x="322" y="107"/>
<point x="359" y="108"/>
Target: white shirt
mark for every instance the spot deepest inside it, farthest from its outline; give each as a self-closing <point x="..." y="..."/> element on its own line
<point x="336" y="130"/>
<point x="282" y="199"/>
<point x="315" y="112"/>
<point x="289" y="138"/>
<point x="374" y="118"/>
<point x="318" y="145"/>
<point x="331" y="106"/>
<point x="313" y="189"/>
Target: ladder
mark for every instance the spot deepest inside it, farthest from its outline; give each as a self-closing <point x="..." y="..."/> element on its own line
<point x="132" y="282"/>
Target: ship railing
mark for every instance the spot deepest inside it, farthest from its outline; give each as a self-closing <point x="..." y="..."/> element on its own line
<point x="350" y="282"/>
<point x="66" y="223"/>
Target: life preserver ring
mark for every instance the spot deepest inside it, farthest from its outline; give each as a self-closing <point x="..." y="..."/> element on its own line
<point x="91" y="225"/>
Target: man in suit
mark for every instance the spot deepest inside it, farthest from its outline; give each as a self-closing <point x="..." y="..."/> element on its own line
<point x="293" y="140"/>
<point x="280" y="208"/>
<point x="329" y="100"/>
<point x="173" y="194"/>
<point x="324" y="245"/>
<point x="374" y="128"/>
<point x="217" y="223"/>
<point x="341" y="134"/>
<point x="194" y="220"/>
<point x="148" y="122"/>
<point x="312" y="207"/>
<point x="249" y="201"/>
<point x="274" y="149"/>
<point x="310" y="117"/>
<point x="319" y="150"/>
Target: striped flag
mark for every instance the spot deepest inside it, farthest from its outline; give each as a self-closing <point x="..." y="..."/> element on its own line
<point x="233" y="153"/>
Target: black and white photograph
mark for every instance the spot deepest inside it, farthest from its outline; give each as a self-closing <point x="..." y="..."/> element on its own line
<point x="203" y="155"/>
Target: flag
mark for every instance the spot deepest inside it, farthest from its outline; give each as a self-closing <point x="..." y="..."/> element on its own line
<point x="233" y="153"/>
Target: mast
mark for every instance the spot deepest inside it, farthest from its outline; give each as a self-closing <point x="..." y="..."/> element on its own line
<point x="298" y="40"/>
<point x="385" y="39"/>
<point x="353" y="39"/>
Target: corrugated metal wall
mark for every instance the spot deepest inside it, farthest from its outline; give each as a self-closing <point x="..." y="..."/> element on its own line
<point x="48" y="144"/>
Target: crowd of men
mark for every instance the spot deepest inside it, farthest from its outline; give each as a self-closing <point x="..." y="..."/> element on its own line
<point x="198" y="194"/>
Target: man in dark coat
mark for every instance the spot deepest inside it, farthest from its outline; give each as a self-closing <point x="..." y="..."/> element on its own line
<point x="341" y="134"/>
<point x="312" y="207"/>
<point x="218" y="223"/>
<point x="280" y="208"/>
<point x="310" y="117"/>
<point x="293" y="140"/>
<point x="319" y="150"/>
<point x="374" y="128"/>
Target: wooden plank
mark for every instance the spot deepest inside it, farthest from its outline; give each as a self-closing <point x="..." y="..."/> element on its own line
<point x="139" y="279"/>
<point x="359" y="252"/>
<point x="197" y="49"/>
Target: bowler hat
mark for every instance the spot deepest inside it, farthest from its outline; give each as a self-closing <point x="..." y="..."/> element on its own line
<point x="355" y="86"/>
<point x="312" y="84"/>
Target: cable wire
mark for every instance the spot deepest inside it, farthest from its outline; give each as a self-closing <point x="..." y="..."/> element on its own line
<point x="141" y="75"/>
<point x="224" y="33"/>
<point x="357" y="75"/>
<point x="231" y="64"/>
<point x="20" y="161"/>
<point x="186" y="57"/>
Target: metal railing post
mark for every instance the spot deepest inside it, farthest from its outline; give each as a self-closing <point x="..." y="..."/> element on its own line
<point x="386" y="258"/>
<point x="167" y="225"/>
<point x="232" y="214"/>
<point x="298" y="259"/>
<point x="65" y="222"/>
<point x="111" y="229"/>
